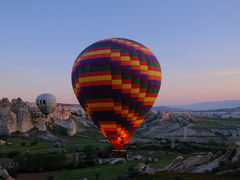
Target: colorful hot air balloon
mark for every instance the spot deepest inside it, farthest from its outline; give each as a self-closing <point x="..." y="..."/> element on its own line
<point x="116" y="81"/>
<point x="46" y="103"/>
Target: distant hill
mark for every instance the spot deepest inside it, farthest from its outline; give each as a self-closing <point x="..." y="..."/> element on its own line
<point x="211" y="105"/>
<point x="169" y="109"/>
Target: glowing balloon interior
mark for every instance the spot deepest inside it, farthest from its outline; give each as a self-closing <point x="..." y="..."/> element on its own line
<point x="116" y="81"/>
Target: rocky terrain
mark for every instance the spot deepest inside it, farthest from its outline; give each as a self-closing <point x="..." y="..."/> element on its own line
<point x="220" y="163"/>
<point x="18" y="116"/>
<point x="202" y="126"/>
<point x="69" y="133"/>
<point x="187" y="126"/>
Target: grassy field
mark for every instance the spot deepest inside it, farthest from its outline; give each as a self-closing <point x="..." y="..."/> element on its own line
<point x="41" y="146"/>
<point x="100" y="172"/>
<point x="24" y="144"/>
<point x="223" y="123"/>
<point x="108" y="171"/>
<point x="164" y="161"/>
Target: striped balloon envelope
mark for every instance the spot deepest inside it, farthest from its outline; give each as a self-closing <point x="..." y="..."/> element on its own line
<point x="116" y="81"/>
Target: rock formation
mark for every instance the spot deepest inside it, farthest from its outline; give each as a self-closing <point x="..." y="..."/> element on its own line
<point x="69" y="125"/>
<point x="4" y="175"/>
<point x="60" y="112"/>
<point x="14" y="116"/>
<point x="225" y="163"/>
<point x="24" y="120"/>
<point x="23" y="117"/>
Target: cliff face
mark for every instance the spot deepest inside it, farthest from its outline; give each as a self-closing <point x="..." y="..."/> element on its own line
<point x="60" y="112"/>
<point x="14" y="116"/>
<point x="8" y="119"/>
<point x="23" y="116"/>
<point x="20" y="116"/>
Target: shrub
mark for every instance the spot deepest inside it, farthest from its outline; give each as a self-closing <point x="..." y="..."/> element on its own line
<point x="13" y="154"/>
<point x="41" y="162"/>
<point x="104" y="152"/>
<point x="91" y="151"/>
<point x="33" y="143"/>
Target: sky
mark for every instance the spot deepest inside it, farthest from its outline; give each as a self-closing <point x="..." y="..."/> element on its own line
<point x="197" y="44"/>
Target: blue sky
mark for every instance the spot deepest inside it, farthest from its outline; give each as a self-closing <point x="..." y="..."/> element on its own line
<point x="196" y="42"/>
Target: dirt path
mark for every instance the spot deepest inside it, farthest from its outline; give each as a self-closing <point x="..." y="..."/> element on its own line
<point x="36" y="176"/>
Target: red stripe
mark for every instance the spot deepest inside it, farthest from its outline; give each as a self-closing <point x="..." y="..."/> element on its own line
<point x="134" y="57"/>
<point x="96" y="56"/>
<point x="117" y="104"/>
<point x="101" y="108"/>
<point x="153" y="68"/>
<point x="151" y="94"/>
<point x="116" y="86"/>
<point x="115" y="58"/>
<point x="97" y="49"/>
<point x="154" y="78"/>
<point x="115" y="50"/>
<point x="99" y="100"/>
<point x="96" y="73"/>
<point x="126" y="81"/>
<point x="143" y="62"/>
<point x="116" y="76"/>
<point x="135" y="85"/>
<point x="107" y="122"/>
<point x="125" y="63"/>
<point x="124" y="54"/>
<point x="135" y="67"/>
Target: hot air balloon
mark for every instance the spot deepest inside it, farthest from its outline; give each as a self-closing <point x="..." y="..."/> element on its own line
<point x="46" y="103"/>
<point x="116" y="81"/>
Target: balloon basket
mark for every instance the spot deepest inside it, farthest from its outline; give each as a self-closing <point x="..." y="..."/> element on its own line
<point x="119" y="154"/>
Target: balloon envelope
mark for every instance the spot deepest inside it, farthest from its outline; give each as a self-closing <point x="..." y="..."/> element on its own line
<point x="46" y="103"/>
<point x="116" y="81"/>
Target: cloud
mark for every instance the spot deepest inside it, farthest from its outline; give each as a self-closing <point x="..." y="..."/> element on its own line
<point x="231" y="72"/>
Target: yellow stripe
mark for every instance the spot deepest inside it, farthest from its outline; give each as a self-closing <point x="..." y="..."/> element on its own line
<point x="130" y="115"/>
<point x="135" y="63"/>
<point x="95" y="78"/>
<point x="126" y="86"/>
<point x="124" y="111"/>
<point x="149" y="99"/>
<point x="96" y="52"/>
<point x="154" y="73"/>
<point x="117" y="108"/>
<point x="135" y="90"/>
<point x="134" y="118"/>
<point x="145" y="49"/>
<point x="108" y="104"/>
<point x="125" y="58"/>
<point x="117" y="82"/>
<point x="138" y="121"/>
<point x="43" y="105"/>
<point x="115" y="54"/>
<point x="135" y="45"/>
<point x="142" y="95"/>
<point x="143" y="67"/>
